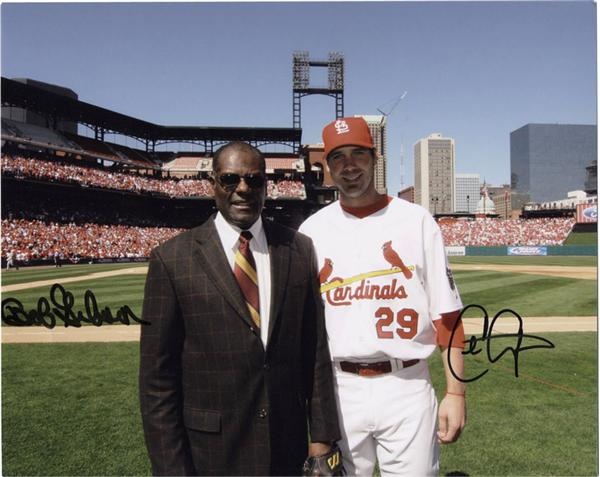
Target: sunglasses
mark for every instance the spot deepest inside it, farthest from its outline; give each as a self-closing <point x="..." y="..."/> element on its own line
<point x="231" y="181"/>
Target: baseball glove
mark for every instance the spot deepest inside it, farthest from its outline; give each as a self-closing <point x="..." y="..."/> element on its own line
<point x="329" y="464"/>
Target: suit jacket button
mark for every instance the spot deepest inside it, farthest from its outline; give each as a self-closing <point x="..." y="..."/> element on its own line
<point x="266" y="366"/>
<point x="262" y="413"/>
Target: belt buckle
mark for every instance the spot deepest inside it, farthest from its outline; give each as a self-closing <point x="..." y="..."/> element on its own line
<point x="365" y="370"/>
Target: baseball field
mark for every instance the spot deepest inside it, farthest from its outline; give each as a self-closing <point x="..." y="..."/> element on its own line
<point x="69" y="395"/>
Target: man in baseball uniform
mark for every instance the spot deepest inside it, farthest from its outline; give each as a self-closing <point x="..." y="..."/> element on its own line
<point x="390" y="300"/>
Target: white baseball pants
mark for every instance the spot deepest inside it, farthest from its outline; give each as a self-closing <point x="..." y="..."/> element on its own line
<point x="390" y="419"/>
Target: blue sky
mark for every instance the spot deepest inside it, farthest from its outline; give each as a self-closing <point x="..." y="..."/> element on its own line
<point x="474" y="71"/>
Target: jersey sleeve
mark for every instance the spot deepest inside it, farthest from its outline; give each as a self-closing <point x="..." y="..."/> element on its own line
<point x="441" y="288"/>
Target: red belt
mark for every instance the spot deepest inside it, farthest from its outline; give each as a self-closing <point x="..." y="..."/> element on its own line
<point x="373" y="369"/>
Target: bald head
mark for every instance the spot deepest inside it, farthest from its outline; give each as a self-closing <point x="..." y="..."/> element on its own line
<point x="238" y="146"/>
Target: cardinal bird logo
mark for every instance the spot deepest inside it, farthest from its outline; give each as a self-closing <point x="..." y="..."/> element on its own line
<point x="394" y="259"/>
<point x="325" y="271"/>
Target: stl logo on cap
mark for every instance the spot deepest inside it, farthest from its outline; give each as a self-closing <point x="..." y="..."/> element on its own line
<point x="341" y="126"/>
<point x="346" y="132"/>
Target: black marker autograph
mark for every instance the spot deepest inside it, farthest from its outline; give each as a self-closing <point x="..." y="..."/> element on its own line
<point x="486" y="336"/>
<point x="60" y="307"/>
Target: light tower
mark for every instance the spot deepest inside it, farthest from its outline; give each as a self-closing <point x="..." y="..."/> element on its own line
<point x="302" y="87"/>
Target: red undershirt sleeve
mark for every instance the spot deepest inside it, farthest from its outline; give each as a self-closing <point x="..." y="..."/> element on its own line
<point x="444" y="326"/>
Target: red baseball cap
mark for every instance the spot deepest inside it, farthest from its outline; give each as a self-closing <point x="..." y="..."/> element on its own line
<point x="346" y="132"/>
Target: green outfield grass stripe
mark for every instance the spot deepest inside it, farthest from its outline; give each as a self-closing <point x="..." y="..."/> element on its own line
<point x="31" y="274"/>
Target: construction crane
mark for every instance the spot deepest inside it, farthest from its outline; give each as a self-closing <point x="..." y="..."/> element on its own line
<point x="396" y="103"/>
<point x="385" y="115"/>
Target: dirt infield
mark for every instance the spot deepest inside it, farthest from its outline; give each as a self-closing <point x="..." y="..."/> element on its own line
<point x="109" y="333"/>
<point x="582" y="273"/>
<point x="91" y="276"/>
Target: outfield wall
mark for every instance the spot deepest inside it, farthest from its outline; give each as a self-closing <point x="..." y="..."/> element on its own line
<point x="588" y="250"/>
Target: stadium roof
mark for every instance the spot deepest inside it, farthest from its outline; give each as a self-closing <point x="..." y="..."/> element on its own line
<point x="56" y="106"/>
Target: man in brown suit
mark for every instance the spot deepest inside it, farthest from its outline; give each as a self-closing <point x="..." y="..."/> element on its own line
<point x="233" y="383"/>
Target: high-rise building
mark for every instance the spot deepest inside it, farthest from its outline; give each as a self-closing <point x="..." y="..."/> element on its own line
<point x="408" y="194"/>
<point x="503" y="198"/>
<point x="434" y="173"/>
<point x="377" y="126"/>
<point x="466" y="192"/>
<point x="549" y="160"/>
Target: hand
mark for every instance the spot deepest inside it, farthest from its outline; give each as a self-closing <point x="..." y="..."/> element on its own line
<point x="452" y="418"/>
<point x="318" y="448"/>
<point x="324" y="460"/>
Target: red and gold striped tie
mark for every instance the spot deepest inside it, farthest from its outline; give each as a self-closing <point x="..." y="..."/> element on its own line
<point x="245" y="274"/>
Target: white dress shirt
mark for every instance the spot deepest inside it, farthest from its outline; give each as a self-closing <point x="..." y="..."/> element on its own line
<point x="229" y="235"/>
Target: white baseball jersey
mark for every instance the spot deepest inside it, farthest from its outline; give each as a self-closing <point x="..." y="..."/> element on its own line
<point x="384" y="280"/>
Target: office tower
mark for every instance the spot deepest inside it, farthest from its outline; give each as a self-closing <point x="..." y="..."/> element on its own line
<point x="434" y="173"/>
<point x="408" y="194"/>
<point x="377" y="126"/>
<point x="466" y="192"/>
<point x="549" y="160"/>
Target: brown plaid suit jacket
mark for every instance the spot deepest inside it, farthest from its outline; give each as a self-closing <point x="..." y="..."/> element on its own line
<point x="213" y="400"/>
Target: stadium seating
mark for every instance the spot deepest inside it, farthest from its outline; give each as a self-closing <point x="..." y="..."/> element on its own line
<point x="93" y="177"/>
<point x="35" y="240"/>
<point x="499" y="232"/>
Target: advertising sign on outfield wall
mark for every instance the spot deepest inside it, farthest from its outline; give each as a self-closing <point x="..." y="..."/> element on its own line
<point x="527" y="250"/>
<point x="587" y="213"/>
<point x="455" y="251"/>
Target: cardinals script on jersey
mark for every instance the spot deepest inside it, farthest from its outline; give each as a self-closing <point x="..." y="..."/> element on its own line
<point x="383" y="280"/>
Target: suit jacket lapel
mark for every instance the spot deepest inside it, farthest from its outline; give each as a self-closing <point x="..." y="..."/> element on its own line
<point x="279" y="255"/>
<point x="213" y="260"/>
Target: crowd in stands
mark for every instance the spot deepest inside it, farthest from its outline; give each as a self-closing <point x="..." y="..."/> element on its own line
<point x="91" y="177"/>
<point x="499" y="232"/>
<point x="36" y="230"/>
<point x="35" y="239"/>
<point x="286" y="188"/>
<point x="54" y="171"/>
<point x="38" y="239"/>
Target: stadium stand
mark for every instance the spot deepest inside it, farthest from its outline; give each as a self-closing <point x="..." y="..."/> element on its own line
<point x="35" y="240"/>
<point x="499" y="232"/>
<point x="93" y="147"/>
<point x="38" y="135"/>
<point x="53" y="170"/>
<point x="93" y="200"/>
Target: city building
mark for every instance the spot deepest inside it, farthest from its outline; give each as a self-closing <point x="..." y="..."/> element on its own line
<point x="466" y="192"/>
<point x="434" y="173"/>
<point x="503" y="199"/>
<point x="549" y="160"/>
<point x="377" y="126"/>
<point x="408" y="194"/>
<point x="485" y="205"/>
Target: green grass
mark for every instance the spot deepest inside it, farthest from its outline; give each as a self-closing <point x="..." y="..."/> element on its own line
<point x="113" y="292"/>
<point x="31" y="274"/>
<point x="567" y="261"/>
<point x="533" y="295"/>
<point x="542" y="423"/>
<point x="528" y="295"/>
<point x="582" y="238"/>
<point x="72" y="409"/>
